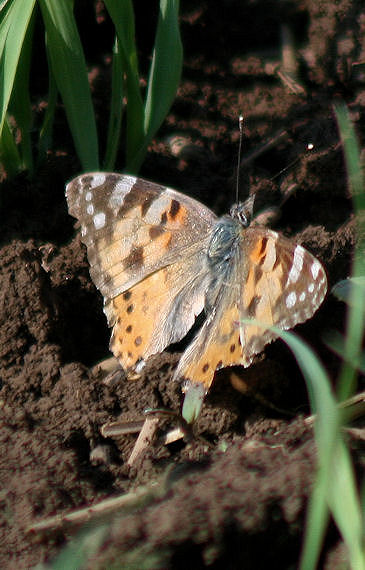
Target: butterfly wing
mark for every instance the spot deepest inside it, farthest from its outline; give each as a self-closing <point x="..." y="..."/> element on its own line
<point x="145" y="246"/>
<point x="132" y="227"/>
<point x="267" y="278"/>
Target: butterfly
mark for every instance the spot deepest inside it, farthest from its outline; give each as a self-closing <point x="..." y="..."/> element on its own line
<point x="161" y="258"/>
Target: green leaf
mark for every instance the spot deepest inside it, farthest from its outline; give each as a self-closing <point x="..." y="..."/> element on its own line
<point x="163" y="79"/>
<point x="69" y="68"/>
<point x="20" y="104"/>
<point x="335" y="482"/>
<point x="45" y="133"/>
<point x="15" y="18"/>
<point x="116" y="109"/>
<point x="356" y="312"/>
<point x="334" y="488"/>
<point x="122" y="16"/>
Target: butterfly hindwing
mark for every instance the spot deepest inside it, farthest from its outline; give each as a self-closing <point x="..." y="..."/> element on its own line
<point x="159" y="310"/>
<point x="284" y="286"/>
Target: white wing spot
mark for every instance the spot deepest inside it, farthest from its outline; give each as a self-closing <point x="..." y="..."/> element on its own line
<point x="157" y="207"/>
<point x="88" y="196"/>
<point x="99" y="220"/>
<point x="311" y="288"/>
<point x="297" y="265"/>
<point x="291" y="300"/>
<point x="302" y="297"/>
<point x="316" y="266"/>
<point x="120" y="190"/>
<point x="97" y="180"/>
<point x="90" y="209"/>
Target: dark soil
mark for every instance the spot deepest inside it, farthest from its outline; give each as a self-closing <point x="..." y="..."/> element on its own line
<point x="235" y="496"/>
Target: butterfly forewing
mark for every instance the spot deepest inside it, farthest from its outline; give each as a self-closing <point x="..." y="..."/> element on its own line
<point x="133" y="227"/>
<point x="146" y="246"/>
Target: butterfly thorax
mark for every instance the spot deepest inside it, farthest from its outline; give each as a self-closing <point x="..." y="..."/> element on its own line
<point x="222" y="255"/>
<point x="227" y="233"/>
<point x="223" y="242"/>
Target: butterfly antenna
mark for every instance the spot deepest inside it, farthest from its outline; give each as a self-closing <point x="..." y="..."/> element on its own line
<point x="240" y="126"/>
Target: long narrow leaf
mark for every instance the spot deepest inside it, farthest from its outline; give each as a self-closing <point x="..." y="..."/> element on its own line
<point x="45" y="133"/>
<point x="69" y="68"/>
<point x="122" y="16"/>
<point x="356" y="311"/>
<point x="335" y="483"/>
<point x="20" y="103"/>
<point x="334" y="488"/>
<point x="13" y="28"/>
<point x="166" y="67"/>
<point x="344" y="503"/>
<point x="116" y="109"/>
<point x="164" y="77"/>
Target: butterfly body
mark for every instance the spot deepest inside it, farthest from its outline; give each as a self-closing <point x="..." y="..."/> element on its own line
<point x="160" y="258"/>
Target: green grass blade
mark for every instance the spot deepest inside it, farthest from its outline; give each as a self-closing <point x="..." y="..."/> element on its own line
<point x="20" y="103"/>
<point x="163" y="79"/>
<point x="356" y="312"/>
<point x="344" y="502"/>
<point x="45" y="133"/>
<point x="166" y="67"/>
<point x="69" y="69"/>
<point x="13" y="28"/>
<point x="122" y="16"/>
<point x="335" y="482"/>
<point x="116" y="109"/>
<point x="4" y="7"/>
<point x="334" y="488"/>
<point x="330" y="491"/>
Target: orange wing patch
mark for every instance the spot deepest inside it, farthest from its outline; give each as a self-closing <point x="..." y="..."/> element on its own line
<point x="261" y="292"/>
<point x="135" y="314"/>
<point x="220" y="349"/>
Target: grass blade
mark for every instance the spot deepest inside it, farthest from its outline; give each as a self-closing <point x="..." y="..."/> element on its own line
<point x="164" y="77"/>
<point x="20" y="103"/>
<point x="335" y="482"/>
<point x="122" y="16"/>
<point x="116" y="109"/>
<point x="45" y="133"/>
<point x="69" y="69"/>
<point x="13" y="28"/>
<point x="356" y="312"/>
<point x="166" y="67"/>
<point x="344" y="503"/>
<point x="334" y="489"/>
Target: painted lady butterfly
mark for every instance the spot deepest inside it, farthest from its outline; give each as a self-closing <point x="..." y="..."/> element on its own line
<point x="160" y="258"/>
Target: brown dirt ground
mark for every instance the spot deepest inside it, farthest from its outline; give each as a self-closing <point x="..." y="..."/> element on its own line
<point x="237" y="497"/>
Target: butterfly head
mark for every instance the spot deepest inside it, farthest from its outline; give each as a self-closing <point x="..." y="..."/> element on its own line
<point x="243" y="211"/>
